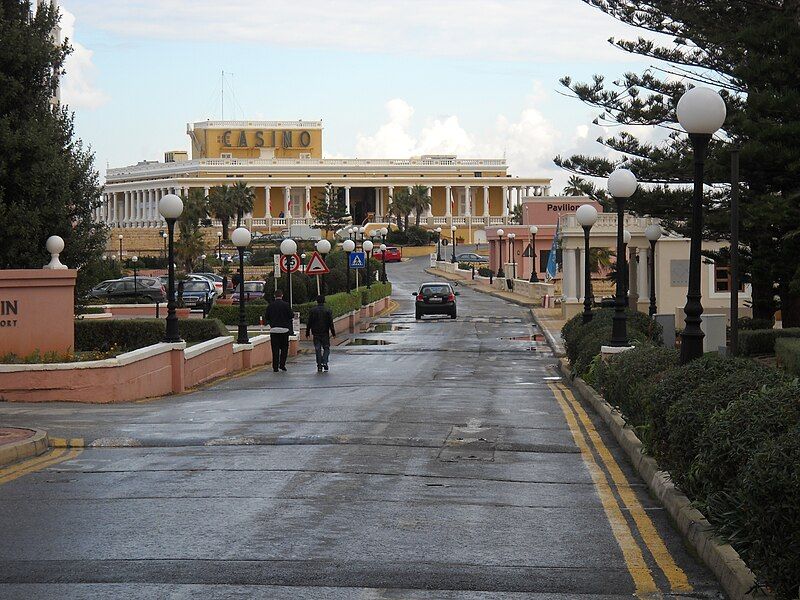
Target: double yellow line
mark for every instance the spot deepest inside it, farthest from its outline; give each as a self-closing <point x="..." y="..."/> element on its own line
<point x="590" y="444"/>
<point x="62" y="450"/>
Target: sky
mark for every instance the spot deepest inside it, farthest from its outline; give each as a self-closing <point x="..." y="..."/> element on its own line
<point x="391" y="79"/>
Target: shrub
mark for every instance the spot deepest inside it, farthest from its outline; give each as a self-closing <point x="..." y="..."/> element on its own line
<point x="375" y="292"/>
<point x="465" y="266"/>
<point x="733" y="434"/>
<point x="762" y="341"/>
<point x="747" y="323"/>
<point x="788" y="352"/>
<point x="765" y="527"/>
<point x="625" y="380"/>
<point x="418" y="236"/>
<point x="684" y="400"/>
<point x="130" y="334"/>
<point x="485" y="272"/>
<point x="229" y="314"/>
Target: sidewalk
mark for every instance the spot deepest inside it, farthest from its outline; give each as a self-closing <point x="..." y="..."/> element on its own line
<point x="17" y="444"/>
<point x="548" y="319"/>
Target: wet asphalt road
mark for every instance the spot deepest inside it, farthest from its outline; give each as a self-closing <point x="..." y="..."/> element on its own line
<point x="432" y="462"/>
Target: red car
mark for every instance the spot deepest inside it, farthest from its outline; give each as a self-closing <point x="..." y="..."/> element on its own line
<point x="253" y="290"/>
<point x="393" y="254"/>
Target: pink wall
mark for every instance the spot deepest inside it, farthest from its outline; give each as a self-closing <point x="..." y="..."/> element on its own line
<point x="37" y="311"/>
<point x="208" y="365"/>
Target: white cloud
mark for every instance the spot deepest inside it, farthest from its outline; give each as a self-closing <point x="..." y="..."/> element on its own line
<point x="538" y="30"/>
<point x="78" y="89"/>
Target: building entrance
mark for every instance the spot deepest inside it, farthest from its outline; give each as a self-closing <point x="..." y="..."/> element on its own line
<point x="362" y="205"/>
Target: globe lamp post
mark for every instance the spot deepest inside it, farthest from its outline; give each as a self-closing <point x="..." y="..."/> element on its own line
<point x="289" y="248"/>
<point x="534" y="275"/>
<point x="500" y="234"/>
<point x="626" y="280"/>
<point x="453" y="233"/>
<point x="653" y="233"/>
<point x="383" y="263"/>
<point x="587" y="217"/>
<point x="512" y="255"/>
<point x="241" y="238"/>
<point x="134" y="260"/>
<point x="170" y="207"/>
<point x="323" y="247"/>
<point x="621" y="186"/>
<point x="348" y="246"/>
<point x="438" y="244"/>
<point x="367" y="246"/>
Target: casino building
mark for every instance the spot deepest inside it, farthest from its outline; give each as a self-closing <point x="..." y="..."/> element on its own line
<point x="283" y="162"/>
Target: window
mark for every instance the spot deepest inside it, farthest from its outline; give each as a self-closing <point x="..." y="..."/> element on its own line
<point x="722" y="279"/>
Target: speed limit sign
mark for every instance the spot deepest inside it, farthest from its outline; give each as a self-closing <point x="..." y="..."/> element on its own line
<point x="290" y="263"/>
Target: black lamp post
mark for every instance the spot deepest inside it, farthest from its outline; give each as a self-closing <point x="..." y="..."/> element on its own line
<point x="500" y="234"/>
<point x="203" y="258"/>
<point x="367" y="246"/>
<point x="701" y="112"/>
<point x="120" y="248"/>
<point x="512" y="255"/>
<point x="438" y="244"/>
<point x="586" y="216"/>
<point x="323" y="247"/>
<point x="348" y="246"/>
<point x="163" y="235"/>
<point x="652" y="233"/>
<point x="289" y="248"/>
<point x="626" y="280"/>
<point x="170" y="207"/>
<point x="621" y="185"/>
<point x="453" y="231"/>
<point x="134" y="260"/>
<point x="534" y="275"/>
<point x="241" y="239"/>
<point x="383" y="263"/>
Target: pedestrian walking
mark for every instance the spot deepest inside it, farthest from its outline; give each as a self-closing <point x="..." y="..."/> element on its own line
<point x="320" y="324"/>
<point x="279" y="317"/>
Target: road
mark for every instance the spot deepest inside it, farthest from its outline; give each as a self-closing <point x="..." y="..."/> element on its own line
<point x="437" y="459"/>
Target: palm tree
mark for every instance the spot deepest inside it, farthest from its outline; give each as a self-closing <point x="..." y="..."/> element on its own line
<point x="400" y="206"/>
<point x="576" y="186"/>
<point x="221" y="205"/>
<point x="190" y="243"/>
<point x="419" y="200"/>
<point x="243" y="197"/>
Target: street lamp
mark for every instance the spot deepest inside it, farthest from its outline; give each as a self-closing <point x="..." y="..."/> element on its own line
<point x="323" y="247"/>
<point x="534" y="275"/>
<point x="500" y="234"/>
<point x="701" y="112"/>
<point x="361" y="232"/>
<point x="383" y="263"/>
<point x="164" y="237"/>
<point x="512" y="255"/>
<point x="348" y="246"/>
<point x="367" y="246"/>
<point x="170" y="207"/>
<point x="219" y="245"/>
<point x="653" y="233"/>
<point x="621" y="185"/>
<point x="203" y="258"/>
<point x="587" y="216"/>
<point x="120" y="248"/>
<point x="453" y="232"/>
<point x="438" y="244"/>
<point x="241" y="239"/>
<point x="134" y="260"/>
<point x="626" y="280"/>
<point x="289" y="248"/>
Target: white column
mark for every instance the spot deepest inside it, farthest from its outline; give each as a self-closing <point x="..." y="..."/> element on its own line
<point x="429" y="211"/>
<point x="347" y="199"/>
<point x="142" y="208"/>
<point x="448" y="201"/>
<point x="569" y="274"/>
<point x="644" y="274"/>
<point x="126" y="217"/>
<point x="486" y="201"/>
<point x="581" y="271"/>
<point x="467" y="201"/>
<point x="378" y="203"/>
<point x="633" y="276"/>
<point x="391" y="193"/>
<point x="506" y="200"/>
<point x="307" y="209"/>
<point x="267" y="202"/>
<point x="287" y="195"/>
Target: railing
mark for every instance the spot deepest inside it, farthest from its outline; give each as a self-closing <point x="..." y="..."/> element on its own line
<point x="265" y="124"/>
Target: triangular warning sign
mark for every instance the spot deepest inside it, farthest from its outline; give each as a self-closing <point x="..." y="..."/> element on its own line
<point x="528" y="251"/>
<point x="317" y="266"/>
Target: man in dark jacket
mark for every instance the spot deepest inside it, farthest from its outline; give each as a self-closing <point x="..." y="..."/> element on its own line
<point x="279" y="317"/>
<point x="320" y="324"/>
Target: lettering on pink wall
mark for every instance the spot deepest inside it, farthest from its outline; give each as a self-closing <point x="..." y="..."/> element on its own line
<point x="564" y="207"/>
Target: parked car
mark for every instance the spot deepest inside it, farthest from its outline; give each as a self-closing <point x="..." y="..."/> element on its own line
<point x="253" y="290"/>
<point x="127" y="288"/>
<point x="435" y="299"/>
<point x="393" y="254"/>
<point x="472" y="258"/>
<point x="197" y="292"/>
<point x="213" y="278"/>
<point x="101" y="289"/>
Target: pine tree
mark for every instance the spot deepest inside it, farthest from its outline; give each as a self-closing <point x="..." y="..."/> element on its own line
<point x="48" y="185"/>
<point x="330" y="212"/>
<point x="749" y="51"/>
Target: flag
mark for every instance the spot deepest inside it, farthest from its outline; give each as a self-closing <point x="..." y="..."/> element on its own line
<point x="552" y="260"/>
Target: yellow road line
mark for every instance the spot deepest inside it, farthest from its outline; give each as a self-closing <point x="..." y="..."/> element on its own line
<point x="634" y="560"/>
<point x="29" y="466"/>
<point x="57" y="442"/>
<point x="655" y="545"/>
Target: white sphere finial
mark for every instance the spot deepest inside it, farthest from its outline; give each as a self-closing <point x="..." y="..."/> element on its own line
<point x="55" y="246"/>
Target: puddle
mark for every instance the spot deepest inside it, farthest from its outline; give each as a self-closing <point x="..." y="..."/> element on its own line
<point x="385" y="328"/>
<point x="536" y="337"/>
<point x="367" y="342"/>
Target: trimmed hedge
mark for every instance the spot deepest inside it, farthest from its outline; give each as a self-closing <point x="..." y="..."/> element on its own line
<point x="130" y="334"/>
<point x="375" y="292"/>
<point x="762" y="341"/>
<point x="787" y="350"/>
<point x="728" y="432"/>
<point x="229" y="314"/>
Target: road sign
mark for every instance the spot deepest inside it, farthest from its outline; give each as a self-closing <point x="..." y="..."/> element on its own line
<point x="528" y="251"/>
<point x="357" y="260"/>
<point x="276" y="271"/>
<point x="317" y="266"/>
<point x="290" y="263"/>
<point x="445" y="241"/>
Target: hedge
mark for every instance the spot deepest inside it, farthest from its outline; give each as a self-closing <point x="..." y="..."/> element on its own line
<point x="787" y="350"/>
<point x="762" y="341"/>
<point x="728" y="432"/>
<point x="130" y="334"/>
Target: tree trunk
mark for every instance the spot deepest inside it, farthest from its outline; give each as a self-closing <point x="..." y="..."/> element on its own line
<point x="417" y="218"/>
<point x="790" y="308"/>
<point x="224" y="229"/>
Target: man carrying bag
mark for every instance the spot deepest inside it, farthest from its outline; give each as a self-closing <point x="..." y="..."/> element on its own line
<point x="320" y="324"/>
<point x="279" y="317"/>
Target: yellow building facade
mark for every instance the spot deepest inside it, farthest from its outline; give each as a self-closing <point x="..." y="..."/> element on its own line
<point x="282" y="161"/>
